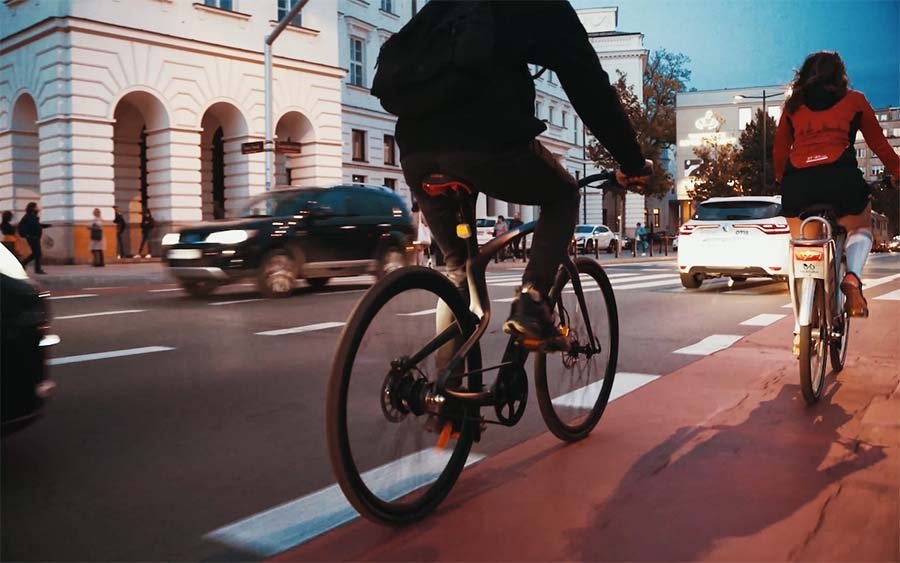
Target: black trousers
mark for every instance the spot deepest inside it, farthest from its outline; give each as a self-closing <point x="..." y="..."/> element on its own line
<point x="35" y="244"/>
<point x="145" y="239"/>
<point x="120" y="244"/>
<point x="527" y="174"/>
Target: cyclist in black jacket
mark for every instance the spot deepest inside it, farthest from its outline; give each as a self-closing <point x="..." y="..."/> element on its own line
<point x="489" y="141"/>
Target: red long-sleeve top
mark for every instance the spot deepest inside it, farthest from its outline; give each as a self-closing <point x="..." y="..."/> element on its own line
<point x="812" y="138"/>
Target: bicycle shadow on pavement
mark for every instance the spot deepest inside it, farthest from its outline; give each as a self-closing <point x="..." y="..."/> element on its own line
<point x="709" y="483"/>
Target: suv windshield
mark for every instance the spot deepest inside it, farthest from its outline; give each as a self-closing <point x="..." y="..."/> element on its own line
<point x="276" y="204"/>
<point x="736" y="210"/>
<point x="584" y="229"/>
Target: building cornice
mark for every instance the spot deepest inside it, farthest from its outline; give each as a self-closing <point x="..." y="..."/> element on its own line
<point x="367" y="112"/>
<point x="93" y="27"/>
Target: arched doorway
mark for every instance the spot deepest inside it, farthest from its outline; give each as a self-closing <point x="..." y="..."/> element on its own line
<point x="224" y="177"/>
<point x="295" y="169"/>
<point x="136" y="114"/>
<point x="25" y="170"/>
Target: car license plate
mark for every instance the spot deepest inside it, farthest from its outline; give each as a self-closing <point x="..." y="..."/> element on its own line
<point x="184" y="254"/>
<point x="809" y="263"/>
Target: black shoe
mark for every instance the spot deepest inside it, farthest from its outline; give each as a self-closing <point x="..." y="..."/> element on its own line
<point x="531" y="319"/>
<point x="40" y="272"/>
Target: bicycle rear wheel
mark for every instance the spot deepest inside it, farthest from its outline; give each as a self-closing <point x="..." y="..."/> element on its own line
<point x="838" y="347"/>
<point x="573" y="387"/>
<point x="381" y="437"/>
<point x="814" y="348"/>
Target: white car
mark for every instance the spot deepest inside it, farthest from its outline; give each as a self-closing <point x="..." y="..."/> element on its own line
<point x="586" y="236"/>
<point x="484" y="227"/>
<point x="739" y="237"/>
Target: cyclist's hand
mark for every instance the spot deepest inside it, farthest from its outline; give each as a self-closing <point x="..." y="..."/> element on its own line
<point x="641" y="180"/>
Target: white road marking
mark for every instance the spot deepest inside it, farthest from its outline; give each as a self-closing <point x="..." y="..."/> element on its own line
<point x="165" y="290"/>
<point x="236" y="301"/>
<point x="107" y="287"/>
<point x="643" y="285"/>
<point x="586" y="397"/>
<point x="104" y="355"/>
<point x="504" y="300"/>
<point x="418" y="313"/>
<point x="101" y="314"/>
<point x="764" y="319"/>
<point x="892" y="296"/>
<point x="290" y="524"/>
<point x="709" y="345"/>
<point x="78" y="296"/>
<point x="300" y="329"/>
<point x="870" y="283"/>
<point x="788" y="306"/>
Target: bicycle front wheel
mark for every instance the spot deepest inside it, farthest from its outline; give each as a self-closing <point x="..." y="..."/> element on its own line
<point x="573" y="387"/>
<point x="382" y="435"/>
<point x="814" y="348"/>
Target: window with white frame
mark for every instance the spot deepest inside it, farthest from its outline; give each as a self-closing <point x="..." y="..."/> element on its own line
<point x="895" y="132"/>
<point x="390" y="151"/>
<point x="537" y="109"/>
<point x="390" y="183"/>
<point x="774" y="112"/>
<point x="860" y="153"/>
<point x="551" y="78"/>
<point x="745" y="116"/>
<point x="877" y="169"/>
<point x="221" y="4"/>
<point x="575" y="131"/>
<point x="552" y="114"/>
<point x="358" y="139"/>
<point x="358" y="179"/>
<point x="357" y="62"/>
<point x="565" y="119"/>
<point x="882" y="117"/>
<point x="388" y="6"/>
<point x="284" y="7"/>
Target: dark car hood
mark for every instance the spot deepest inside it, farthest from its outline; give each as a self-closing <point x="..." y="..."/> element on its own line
<point x="249" y="223"/>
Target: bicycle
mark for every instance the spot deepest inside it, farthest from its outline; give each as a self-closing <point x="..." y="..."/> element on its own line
<point x="819" y="264"/>
<point x="420" y="387"/>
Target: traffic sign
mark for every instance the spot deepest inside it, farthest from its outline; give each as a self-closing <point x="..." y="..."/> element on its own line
<point x="252" y="147"/>
<point x="288" y="147"/>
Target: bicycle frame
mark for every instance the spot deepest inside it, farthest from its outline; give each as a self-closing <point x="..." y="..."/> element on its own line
<point x="806" y="256"/>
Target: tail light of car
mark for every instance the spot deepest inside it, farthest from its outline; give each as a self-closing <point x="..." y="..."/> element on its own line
<point x="688" y="228"/>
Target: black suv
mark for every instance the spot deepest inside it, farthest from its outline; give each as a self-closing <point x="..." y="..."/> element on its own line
<point x="291" y="233"/>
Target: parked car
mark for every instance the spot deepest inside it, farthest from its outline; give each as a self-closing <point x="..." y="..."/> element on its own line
<point x="484" y="229"/>
<point x="24" y="339"/>
<point x="586" y="236"/>
<point x="894" y="245"/>
<point x="739" y="237"/>
<point x="291" y="233"/>
<point x="675" y="243"/>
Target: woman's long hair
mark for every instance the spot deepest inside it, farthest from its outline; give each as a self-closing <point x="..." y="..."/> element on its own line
<point x="823" y="74"/>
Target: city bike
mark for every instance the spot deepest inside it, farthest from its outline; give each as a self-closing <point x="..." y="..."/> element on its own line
<point x="817" y="267"/>
<point x="408" y="387"/>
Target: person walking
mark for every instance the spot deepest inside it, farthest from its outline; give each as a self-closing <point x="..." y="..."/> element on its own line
<point x="640" y="236"/>
<point x="519" y="244"/>
<point x="32" y="229"/>
<point x="121" y="225"/>
<point x="147" y="224"/>
<point x="9" y="232"/>
<point x="97" y="239"/>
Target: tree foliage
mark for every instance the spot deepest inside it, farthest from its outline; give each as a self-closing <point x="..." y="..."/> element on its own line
<point x="886" y="200"/>
<point x="654" y="121"/>
<point x="717" y="174"/>
<point x="750" y="158"/>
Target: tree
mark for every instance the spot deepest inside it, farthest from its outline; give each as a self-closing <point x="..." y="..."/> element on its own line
<point x="654" y="121"/>
<point x="886" y="200"/>
<point x="750" y="161"/>
<point x="717" y="174"/>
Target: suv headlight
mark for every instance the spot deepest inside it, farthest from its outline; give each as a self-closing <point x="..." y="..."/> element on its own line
<point x="170" y="239"/>
<point x="228" y="237"/>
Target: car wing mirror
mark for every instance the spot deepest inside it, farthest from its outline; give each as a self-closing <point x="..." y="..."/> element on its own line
<point x="321" y="212"/>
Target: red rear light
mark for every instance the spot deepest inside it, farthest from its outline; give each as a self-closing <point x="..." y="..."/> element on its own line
<point x="686" y="229"/>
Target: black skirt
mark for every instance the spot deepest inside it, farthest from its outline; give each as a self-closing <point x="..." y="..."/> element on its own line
<point x="834" y="184"/>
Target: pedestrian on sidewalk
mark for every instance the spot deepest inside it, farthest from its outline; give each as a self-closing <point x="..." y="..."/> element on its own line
<point x="9" y="233"/>
<point x="97" y="240"/>
<point x="147" y="224"/>
<point x="640" y="236"/>
<point x="515" y="223"/>
<point x="500" y="228"/>
<point x="32" y="229"/>
<point x="121" y="225"/>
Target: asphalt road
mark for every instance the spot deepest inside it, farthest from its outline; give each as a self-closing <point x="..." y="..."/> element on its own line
<point x="206" y="421"/>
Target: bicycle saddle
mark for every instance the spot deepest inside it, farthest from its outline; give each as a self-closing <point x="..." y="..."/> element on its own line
<point x="439" y="184"/>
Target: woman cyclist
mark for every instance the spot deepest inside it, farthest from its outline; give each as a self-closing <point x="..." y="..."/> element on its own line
<point x="815" y="160"/>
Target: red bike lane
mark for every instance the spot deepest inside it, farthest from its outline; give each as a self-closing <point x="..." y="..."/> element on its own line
<point x="720" y="461"/>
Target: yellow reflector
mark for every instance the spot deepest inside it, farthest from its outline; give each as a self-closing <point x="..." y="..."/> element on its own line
<point x="463" y="231"/>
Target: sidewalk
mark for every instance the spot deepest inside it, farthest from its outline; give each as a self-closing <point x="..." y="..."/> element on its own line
<point x="718" y="461"/>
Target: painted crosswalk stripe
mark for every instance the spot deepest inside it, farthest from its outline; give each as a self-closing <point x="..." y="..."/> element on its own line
<point x="586" y="397"/>
<point x="236" y="301"/>
<point x="787" y="306"/>
<point x="709" y="345"/>
<point x="166" y="290"/>
<point x="672" y="280"/>
<point x="418" y="313"/>
<point x="295" y="522"/>
<point x="105" y="355"/>
<point x="101" y="288"/>
<point x="78" y="296"/>
<point x="300" y="329"/>
<point x="870" y="283"/>
<point x="100" y="314"/>
<point x="892" y="296"/>
<point x="764" y="319"/>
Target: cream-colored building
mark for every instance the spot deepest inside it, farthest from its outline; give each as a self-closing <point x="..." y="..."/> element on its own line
<point x="147" y="102"/>
<point x="868" y="161"/>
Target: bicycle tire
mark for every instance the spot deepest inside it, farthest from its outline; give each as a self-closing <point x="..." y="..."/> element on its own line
<point x="838" y="349"/>
<point x="544" y="389"/>
<point x="394" y="511"/>
<point x="812" y="378"/>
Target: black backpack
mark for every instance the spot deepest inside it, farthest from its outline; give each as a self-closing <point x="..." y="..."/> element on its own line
<point x="441" y="58"/>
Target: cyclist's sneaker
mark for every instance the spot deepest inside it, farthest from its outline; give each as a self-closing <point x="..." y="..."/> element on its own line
<point x="856" y="304"/>
<point x="532" y="321"/>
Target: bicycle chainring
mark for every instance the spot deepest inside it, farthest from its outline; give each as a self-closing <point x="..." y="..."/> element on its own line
<point x="510" y="395"/>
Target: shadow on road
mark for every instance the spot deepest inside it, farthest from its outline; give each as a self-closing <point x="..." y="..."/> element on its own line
<point x="706" y="484"/>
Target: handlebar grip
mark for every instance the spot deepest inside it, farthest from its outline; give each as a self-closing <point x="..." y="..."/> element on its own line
<point x="602" y="176"/>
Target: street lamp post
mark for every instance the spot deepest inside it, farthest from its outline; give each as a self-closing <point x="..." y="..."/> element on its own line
<point x="765" y="118"/>
<point x="269" y="143"/>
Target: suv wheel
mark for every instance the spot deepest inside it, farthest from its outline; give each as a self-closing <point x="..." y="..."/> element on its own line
<point x="277" y="275"/>
<point x="199" y="288"/>
<point x="392" y="259"/>
<point x="691" y="281"/>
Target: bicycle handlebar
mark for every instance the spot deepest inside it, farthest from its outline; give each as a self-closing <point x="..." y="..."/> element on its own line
<point x="607" y="176"/>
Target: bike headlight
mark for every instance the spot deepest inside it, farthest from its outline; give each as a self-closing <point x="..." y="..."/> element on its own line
<point x="228" y="237"/>
<point x="170" y="239"/>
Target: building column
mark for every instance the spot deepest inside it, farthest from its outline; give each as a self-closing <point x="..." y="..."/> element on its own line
<point x="320" y="165"/>
<point x="206" y="195"/>
<point x="76" y="175"/>
<point x="7" y="188"/>
<point x="245" y="174"/>
<point x="173" y="178"/>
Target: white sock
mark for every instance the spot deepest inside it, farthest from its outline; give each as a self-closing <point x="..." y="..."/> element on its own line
<point x="857" y="248"/>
